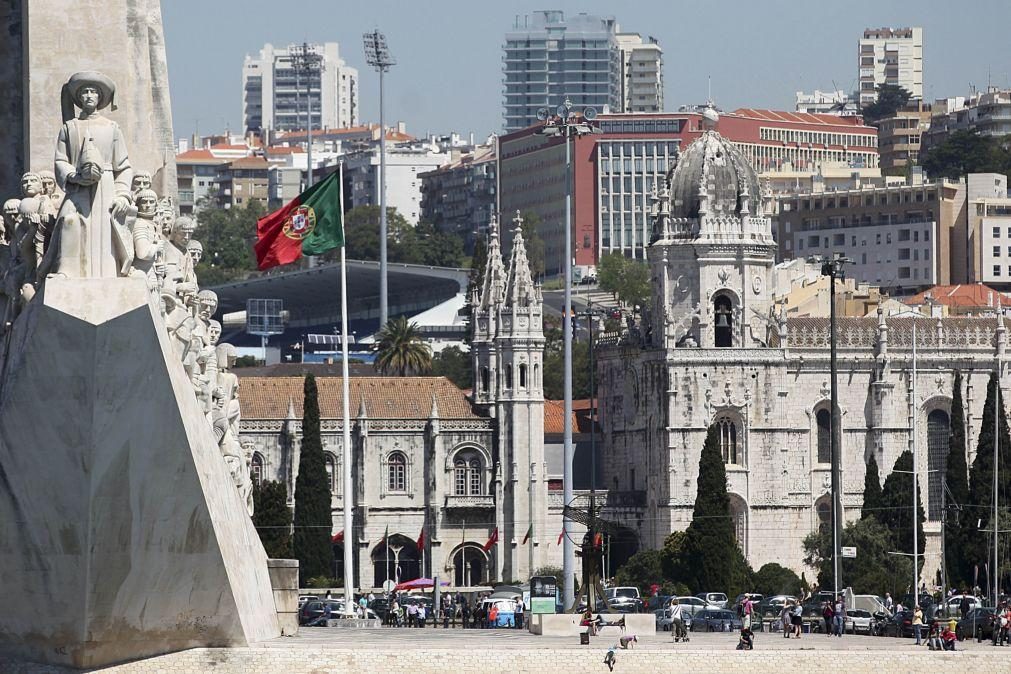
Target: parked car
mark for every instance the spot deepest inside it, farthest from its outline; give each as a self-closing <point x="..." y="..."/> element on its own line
<point x="772" y="607"/>
<point x="664" y="621"/>
<point x="624" y="599"/>
<point x="506" y="610"/>
<point x="953" y="605"/>
<point x="898" y="625"/>
<point x="309" y="611"/>
<point x="859" y="620"/>
<point x="716" y="620"/>
<point x="756" y="598"/>
<point x="713" y="598"/>
<point x="658" y="601"/>
<point x="977" y="623"/>
<point x="692" y="605"/>
<point x="303" y="598"/>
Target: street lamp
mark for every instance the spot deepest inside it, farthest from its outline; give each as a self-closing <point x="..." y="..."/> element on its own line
<point x="377" y="55"/>
<point x="305" y="60"/>
<point x="833" y="268"/>
<point x="566" y="123"/>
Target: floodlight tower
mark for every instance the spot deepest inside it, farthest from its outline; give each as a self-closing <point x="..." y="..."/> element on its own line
<point x="306" y="60"/>
<point x="377" y="54"/>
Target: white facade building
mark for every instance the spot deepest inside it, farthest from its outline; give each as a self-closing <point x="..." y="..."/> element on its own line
<point x="404" y="164"/>
<point x="641" y="73"/>
<point x="836" y="102"/>
<point x="890" y="56"/>
<point x="274" y="95"/>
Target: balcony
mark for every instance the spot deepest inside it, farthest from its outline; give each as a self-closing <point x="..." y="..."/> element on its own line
<point x="470" y="502"/>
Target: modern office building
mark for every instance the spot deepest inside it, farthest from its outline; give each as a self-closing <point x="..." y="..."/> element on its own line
<point x="641" y="73"/>
<point x="615" y="171"/>
<point x="274" y="92"/>
<point x="890" y="56"/>
<point x="549" y="57"/>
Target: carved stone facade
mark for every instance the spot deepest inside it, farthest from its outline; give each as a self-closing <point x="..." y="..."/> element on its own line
<point x="715" y="347"/>
<point x="427" y="457"/>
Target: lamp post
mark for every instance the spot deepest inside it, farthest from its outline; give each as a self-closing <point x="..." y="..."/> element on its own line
<point x="833" y="268"/>
<point x="305" y="60"/>
<point x="566" y="123"/>
<point x="377" y="54"/>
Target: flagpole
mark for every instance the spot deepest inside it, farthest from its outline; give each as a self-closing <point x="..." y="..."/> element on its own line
<point x="349" y="536"/>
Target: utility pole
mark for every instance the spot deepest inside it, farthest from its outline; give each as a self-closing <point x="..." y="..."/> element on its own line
<point x="377" y="54"/>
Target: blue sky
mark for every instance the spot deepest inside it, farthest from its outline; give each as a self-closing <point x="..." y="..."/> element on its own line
<point x="449" y="51"/>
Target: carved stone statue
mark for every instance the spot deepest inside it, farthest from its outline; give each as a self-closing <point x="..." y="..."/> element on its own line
<point x="93" y="168"/>
<point x="141" y="181"/>
<point x="50" y="190"/>
<point x="9" y="222"/>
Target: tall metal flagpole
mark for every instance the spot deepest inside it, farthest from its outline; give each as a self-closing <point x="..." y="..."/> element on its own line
<point x="349" y="536"/>
<point x="998" y="410"/>
<point x="568" y="451"/>
<point x="384" y="308"/>
<point x="916" y="468"/>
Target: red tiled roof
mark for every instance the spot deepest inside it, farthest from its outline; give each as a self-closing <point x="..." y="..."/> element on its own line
<point x="800" y="117"/>
<point x="962" y="295"/>
<point x="284" y="149"/>
<point x="198" y="155"/>
<point x="224" y="146"/>
<point x="249" y="163"/>
<point x="385" y="397"/>
<point x="554" y="416"/>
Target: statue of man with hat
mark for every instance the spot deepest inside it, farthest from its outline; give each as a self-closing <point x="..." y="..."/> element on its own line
<point x="93" y="168"/>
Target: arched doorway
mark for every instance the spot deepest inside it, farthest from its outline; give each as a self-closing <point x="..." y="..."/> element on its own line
<point x="723" y="327"/>
<point x="396" y="559"/>
<point x="938" y="446"/>
<point x="470" y="565"/>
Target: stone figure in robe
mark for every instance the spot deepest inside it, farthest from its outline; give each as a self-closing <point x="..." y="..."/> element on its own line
<point x="179" y="277"/>
<point x="93" y="169"/>
<point x="50" y="189"/>
<point x="9" y="221"/>
<point x="147" y="243"/>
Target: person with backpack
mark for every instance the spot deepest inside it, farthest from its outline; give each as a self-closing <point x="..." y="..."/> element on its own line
<point x="827" y="614"/>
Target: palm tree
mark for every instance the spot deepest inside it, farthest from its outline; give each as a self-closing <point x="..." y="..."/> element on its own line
<point x="402" y="351"/>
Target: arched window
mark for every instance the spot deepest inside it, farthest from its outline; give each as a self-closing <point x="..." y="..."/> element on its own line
<point x="537" y="375"/>
<point x="728" y="441"/>
<point x="938" y="446"/>
<point x="824" y="420"/>
<point x="509" y="377"/>
<point x="823" y="506"/>
<point x="331" y="471"/>
<point x="484" y="380"/>
<point x="397" y="472"/>
<point x="723" y="312"/>
<point x="256" y="469"/>
<point x="523" y="376"/>
<point x="468" y="479"/>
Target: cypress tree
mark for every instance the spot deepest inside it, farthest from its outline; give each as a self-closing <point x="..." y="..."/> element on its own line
<point x="981" y="476"/>
<point x="872" y="489"/>
<point x="313" y="519"/>
<point x="710" y="556"/>
<point x="896" y="511"/>
<point x="272" y="518"/>
<point x="956" y="516"/>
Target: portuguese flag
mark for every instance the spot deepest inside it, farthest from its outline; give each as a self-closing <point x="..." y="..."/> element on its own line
<point x="310" y="224"/>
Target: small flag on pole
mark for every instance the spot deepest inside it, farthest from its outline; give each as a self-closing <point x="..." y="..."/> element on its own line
<point x="421" y="540"/>
<point x="338" y="537"/>
<point x="310" y="224"/>
<point x="530" y="532"/>
<point x="382" y="541"/>
<point x="492" y="540"/>
<point x="560" y="537"/>
<point x="598" y="540"/>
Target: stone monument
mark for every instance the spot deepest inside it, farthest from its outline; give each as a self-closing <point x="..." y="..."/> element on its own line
<point x="125" y="525"/>
<point x="44" y="42"/>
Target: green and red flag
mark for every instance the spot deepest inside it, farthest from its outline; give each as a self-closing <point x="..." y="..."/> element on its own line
<point x="310" y="224"/>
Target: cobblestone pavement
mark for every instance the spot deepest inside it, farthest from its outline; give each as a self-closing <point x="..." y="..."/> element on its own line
<point x="476" y="639"/>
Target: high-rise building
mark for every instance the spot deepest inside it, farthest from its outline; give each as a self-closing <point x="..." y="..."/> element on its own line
<point x="641" y="73"/>
<point x="549" y="58"/>
<point x="890" y="56"/>
<point x="274" y="93"/>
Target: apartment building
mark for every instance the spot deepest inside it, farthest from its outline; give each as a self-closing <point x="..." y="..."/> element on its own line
<point x="900" y="137"/>
<point x="988" y="220"/>
<point x="461" y="196"/>
<point x="988" y="113"/>
<point x="836" y="102"/>
<point x="641" y="73"/>
<point x="405" y="163"/>
<point x="890" y="56"/>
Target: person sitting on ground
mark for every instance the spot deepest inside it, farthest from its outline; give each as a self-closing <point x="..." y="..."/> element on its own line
<point x="934" y="637"/>
<point x="747" y="642"/>
<point x="948" y="639"/>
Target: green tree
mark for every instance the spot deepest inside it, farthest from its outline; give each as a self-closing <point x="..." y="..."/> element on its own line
<point x="247" y="361"/>
<point x="361" y="235"/>
<point x="981" y="476"/>
<point x="872" y="489"/>
<point x="958" y="519"/>
<point x="635" y="283"/>
<point x="478" y="262"/>
<point x="610" y="271"/>
<point x="272" y="518"/>
<point x="435" y="248"/>
<point x="896" y="512"/>
<point x="227" y="236"/>
<point x="872" y="571"/>
<point x="313" y="518"/>
<point x="401" y="350"/>
<point x="709" y="556"/>
<point x="454" y="364"/>
<point x="642" y="570"/>
<point x="534" y="243"/>
<point x="554" y="369"/>
<point x="890" y="99"/>
<point x="967" y="152"/>
<point x="773" y="579"/>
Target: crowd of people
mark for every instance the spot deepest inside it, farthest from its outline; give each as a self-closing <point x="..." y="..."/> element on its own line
<point x="456" y="610"/>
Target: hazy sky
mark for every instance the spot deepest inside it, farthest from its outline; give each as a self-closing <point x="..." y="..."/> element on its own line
<point x="449" y="52"/>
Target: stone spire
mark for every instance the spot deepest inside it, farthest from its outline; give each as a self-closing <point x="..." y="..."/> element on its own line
<point x="520" y="290"/>
<point x="493" y="288"/>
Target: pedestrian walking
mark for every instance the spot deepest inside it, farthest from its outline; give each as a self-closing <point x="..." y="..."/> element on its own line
<point x="677" y="621"/>
<point x="889" y="604"/>
<point x="412" y="614"/>
<point x="797" y="619"/>
<point x="519" y="613"/>
<point x="839" y="616"/>
<point x="421" y="615"/>
<point x="917" y="623"/>
<point x="827" y="614"/>
<point x="786" y="619"/>
<point x="963" y="606"/>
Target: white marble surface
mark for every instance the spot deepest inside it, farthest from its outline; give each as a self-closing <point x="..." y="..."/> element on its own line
<point x="121" y="533"/>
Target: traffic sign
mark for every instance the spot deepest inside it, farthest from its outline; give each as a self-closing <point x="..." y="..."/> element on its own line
<point x="389" y="585"/>
<point x="849" y="552"/>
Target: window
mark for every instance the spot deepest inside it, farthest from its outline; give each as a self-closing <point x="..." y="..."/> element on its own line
<point x="460" y="477"/>
<point x="484" y="380"/>
<point x="467" y="474"/>
<point x="475" y="477"/>
<point x="823" y="507"/>
<point x="397" y="472"/>
<point x="256" y="469"/>
<point x="938" y="446"/>
<point x="509" y="376"/>
<point x="728" y="441"/>
<point x="996" y="251"/>
<point x="331" y="471"/>
<point x="523" y="375"/>
<point x="723" y="331"/>
<point x="996" y="270"/>
<point x="824" y="421"/>
<point x="996" y="232"/>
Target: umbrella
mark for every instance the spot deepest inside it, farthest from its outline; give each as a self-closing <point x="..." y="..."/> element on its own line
<point x="418" y="584"/>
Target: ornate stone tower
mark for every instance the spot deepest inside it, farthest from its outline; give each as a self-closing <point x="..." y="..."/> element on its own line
<point x="713" y="250"/>
<point x="508" y="349"/>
